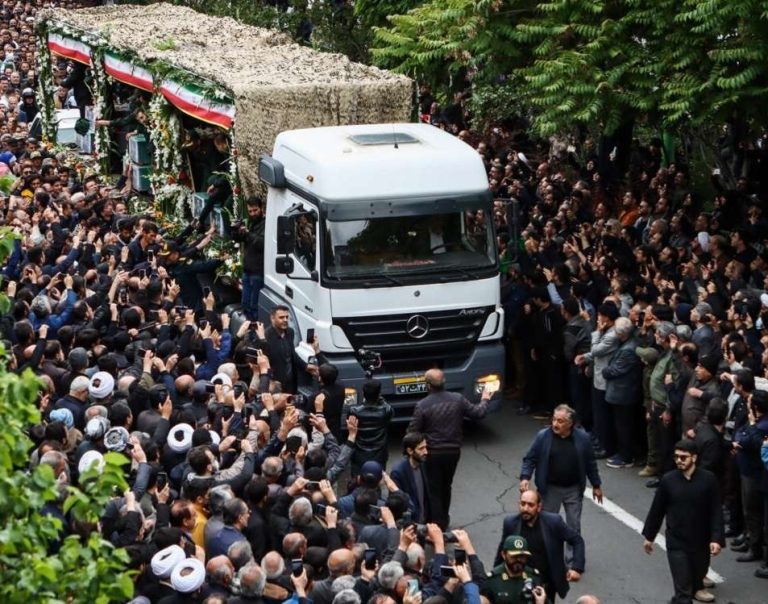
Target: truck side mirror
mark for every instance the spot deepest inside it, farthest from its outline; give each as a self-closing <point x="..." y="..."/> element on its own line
<point x="284" y="265"/>
<point x="286" y="235"/>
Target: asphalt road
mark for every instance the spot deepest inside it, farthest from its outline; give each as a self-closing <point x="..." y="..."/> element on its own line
<point x="618" y="570"/>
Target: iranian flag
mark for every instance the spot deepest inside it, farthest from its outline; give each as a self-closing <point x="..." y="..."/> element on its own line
<point x="69" y="48"/>
<point x="192" y="102"/>
<point x="128" y="73"/>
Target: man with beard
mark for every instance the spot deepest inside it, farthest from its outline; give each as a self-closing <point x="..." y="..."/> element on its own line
<point x="546" y="535"/>
<point x="514" y="581"/>
<point x="410" y="477"/>
<point x="690" y="500"/>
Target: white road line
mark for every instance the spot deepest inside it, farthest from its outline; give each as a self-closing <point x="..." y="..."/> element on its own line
<point x="636" y="525"/>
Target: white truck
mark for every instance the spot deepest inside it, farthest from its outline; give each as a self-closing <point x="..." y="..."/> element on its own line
<point x="380" y="239"/>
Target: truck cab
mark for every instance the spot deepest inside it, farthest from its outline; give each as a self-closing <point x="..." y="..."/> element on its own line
<point x="380" y="238"/>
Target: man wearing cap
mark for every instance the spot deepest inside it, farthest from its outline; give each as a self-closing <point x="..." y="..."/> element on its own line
<point x="546" y="535"/>
<point x="702" y="388"/>
<point x="509" y="580"/>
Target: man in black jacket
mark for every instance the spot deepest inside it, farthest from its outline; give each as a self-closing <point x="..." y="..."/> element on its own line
<point x="440" y="417"/>
<point x="409" y="475"/>
<point x="373" y="418"/>
<point x="548" y="353"/>
<point x="546" y="534"/>
<point x="283" y="359"/>
<point x="690" y="500"/>
<point x="252" y="238"/>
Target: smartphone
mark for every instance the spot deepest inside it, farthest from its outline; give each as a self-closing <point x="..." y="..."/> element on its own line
<point x="413" y="587"/>
<point x="153" y="314"/>
<point x="142" y="274"/>
<point x="320" y="509"/>
<point x="313" y="485"/>
<point x="370" y="558"/>
<point x="492" y="387"/>
<point x="150" y="256"/>
<point x="447" y="572"/>
<point x="374" y="512"/>
<point x="310" y="335"/>
<point x="162" y="480"/>
<point x="460" y="556"/>
<point x="297" y="567"/>
<point x="206" y="291"/>
<point x="292" y="444"/>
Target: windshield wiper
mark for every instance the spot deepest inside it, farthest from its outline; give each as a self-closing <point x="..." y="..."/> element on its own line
<point x="365" y="277"/>
<point x="388" y="278"/>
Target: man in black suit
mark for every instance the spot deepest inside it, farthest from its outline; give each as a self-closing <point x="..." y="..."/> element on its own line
<point x="280" y="350"/>
<point x="546" y="534"/>
<point x="410" y="477"/>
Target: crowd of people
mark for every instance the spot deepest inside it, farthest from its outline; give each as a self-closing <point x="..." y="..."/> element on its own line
<point x="643" y="306"/>
<point x="637" y="326"/>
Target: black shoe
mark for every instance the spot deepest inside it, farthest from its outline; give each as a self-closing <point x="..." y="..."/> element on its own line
<point x="601" y="454"/>
<point x="762" y="572"/>
<point x="748" y="557"/>
<point x="740" y="539"/>
<point x="741" y="547"/>
<point x="731" y="533"/>
<point x="653" y="483"/>
<point x="523" y="410"/>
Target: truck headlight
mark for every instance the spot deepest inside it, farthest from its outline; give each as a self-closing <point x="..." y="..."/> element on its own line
<point x="350" y="396"/>
<point x="492" y="379"/>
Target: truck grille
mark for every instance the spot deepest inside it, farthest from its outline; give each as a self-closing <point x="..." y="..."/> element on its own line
<point x="417" y="341"/>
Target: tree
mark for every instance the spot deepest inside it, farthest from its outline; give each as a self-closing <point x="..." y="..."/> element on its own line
<point x="676" y="64"/>
<point x="441" y="39"/>
<point x="87" y="569"/>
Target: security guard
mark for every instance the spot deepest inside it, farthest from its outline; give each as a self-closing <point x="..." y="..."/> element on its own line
<point x="513" y="581"/>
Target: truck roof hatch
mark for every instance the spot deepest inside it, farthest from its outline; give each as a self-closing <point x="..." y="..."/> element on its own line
<point x="383" y="138"/>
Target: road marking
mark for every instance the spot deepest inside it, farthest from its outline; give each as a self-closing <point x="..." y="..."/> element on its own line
<point x="636" y="525"/>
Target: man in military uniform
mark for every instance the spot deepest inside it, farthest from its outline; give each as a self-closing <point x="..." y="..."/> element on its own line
<point x="513" y="581"/>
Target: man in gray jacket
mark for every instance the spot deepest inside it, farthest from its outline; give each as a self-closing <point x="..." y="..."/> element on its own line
<point x="604" y="344"/>
<point x="623" y="392"/>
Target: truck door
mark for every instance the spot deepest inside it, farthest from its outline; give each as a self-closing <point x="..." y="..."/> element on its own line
<point x="298" y="240"/>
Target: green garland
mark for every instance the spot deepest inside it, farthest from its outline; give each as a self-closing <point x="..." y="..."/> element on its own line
<point x="171" y="199"/>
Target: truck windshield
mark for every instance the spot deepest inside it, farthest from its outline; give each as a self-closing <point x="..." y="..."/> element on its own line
<point x="458" y="245"/>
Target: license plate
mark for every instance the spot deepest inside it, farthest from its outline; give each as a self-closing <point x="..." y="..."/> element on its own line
<point x="411" y="385"/>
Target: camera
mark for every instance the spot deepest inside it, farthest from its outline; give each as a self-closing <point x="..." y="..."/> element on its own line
<point x="526" y="592"/>
<point x="421" y="534"/>
<point x="370" y="360"/>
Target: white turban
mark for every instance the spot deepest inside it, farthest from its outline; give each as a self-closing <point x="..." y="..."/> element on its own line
<point x="703" y="238"/>
<point x="190" y="581"/>
<point x="88" y="459"/>
<point x="180" y="438"/>
<point x="164" y="561"/>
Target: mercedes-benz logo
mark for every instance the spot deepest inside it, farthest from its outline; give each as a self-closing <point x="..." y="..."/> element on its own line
<point x="417" y="327"/>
